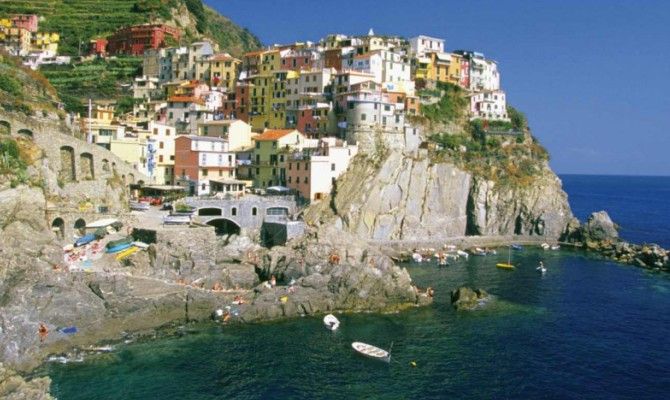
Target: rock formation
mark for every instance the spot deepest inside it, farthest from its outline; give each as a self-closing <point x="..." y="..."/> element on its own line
<point x="465" y="298"/>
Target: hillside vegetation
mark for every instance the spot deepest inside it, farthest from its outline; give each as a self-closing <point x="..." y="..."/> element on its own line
<point x="515" y="158"/>
<point x="24" y="90"/>
<point x="78" y="21"/>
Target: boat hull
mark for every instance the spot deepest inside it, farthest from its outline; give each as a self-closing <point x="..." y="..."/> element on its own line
<point x="371" y="351"/>
<point x="505" y="266"/>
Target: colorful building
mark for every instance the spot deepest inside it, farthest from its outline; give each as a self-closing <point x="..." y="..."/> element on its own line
<point x="237" y="132"/>
<point x="199" y="159"/>
<point x="135" y="40"/>
<point x="268" y="157"/>
<point x="219" y="70"/>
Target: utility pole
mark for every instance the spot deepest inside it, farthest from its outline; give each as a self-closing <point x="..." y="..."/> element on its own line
<point x="89" y="137"/>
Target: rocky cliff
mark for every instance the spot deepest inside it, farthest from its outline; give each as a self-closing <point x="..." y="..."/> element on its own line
<point x="410" y="197"/>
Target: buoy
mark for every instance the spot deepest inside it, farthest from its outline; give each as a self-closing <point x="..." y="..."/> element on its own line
<point x="413" y="364"/>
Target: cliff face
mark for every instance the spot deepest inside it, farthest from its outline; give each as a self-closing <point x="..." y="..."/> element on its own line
<point x="407" y="197"/>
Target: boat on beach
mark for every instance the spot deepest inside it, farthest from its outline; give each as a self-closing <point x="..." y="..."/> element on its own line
<point x="118" y="248"/>
<point x="84" y="240"/>
<point x="371" y="351"/>
<point x="127" y="252"/>
<point x="114" y="243"/>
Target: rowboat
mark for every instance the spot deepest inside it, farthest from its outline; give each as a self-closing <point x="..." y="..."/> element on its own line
<point x="86" y="239"/>
<point x="556" y="247"/>
<point x="127" y="252"/>
<point x="371" y="351"/>
<point x="331" y="322"/>
<point x="505" y="266"/>
<point x="114" y="243"/>
<point x="118" y="248"/>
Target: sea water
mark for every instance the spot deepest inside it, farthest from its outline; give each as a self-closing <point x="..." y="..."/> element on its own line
<point x="587" y="328"/>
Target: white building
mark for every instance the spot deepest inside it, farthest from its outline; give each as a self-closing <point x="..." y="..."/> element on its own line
<point x="425" y="44"/>
<point x="483" y="74"/>
<point x="374" y="110"/>
<point x="146" y="87"/>
<point x="160" y="154"/>
<point x="490" y="105"/>
<point x="386" y="66"/>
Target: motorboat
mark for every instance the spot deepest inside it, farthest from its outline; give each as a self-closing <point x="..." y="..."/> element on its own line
<point x="371" y="351"/>
<point x="331" y="322"/>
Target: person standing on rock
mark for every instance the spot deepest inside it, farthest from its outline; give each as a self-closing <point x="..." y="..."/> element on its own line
<point x="43" y="332"/>
<point x="273" y="281"/>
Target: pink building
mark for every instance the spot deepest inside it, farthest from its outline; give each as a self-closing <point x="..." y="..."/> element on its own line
<point x="300" y="59"/>
<point x="25" y="21"/>
<point x="313" y="120"/>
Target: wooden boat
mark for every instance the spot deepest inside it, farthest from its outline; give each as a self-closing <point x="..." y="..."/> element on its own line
<point x="118" y="248"/>
<point x="127" y="252"/>
<point x="371" y="351"/>
<point x="114" y="243"/>
<point x="331" y="322"/>
<point x="84" y="240"/>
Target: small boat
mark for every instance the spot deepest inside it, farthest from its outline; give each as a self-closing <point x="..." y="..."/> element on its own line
<point x="417" y="257"/>
<point x="70" y="330"/>
<point x="176" y="219"/>
<point x="141" y="245"/>
<point x="492" y="251"/>
<point x="545" y="246"/>
<point x="517" y="247"/>
<point x="462" y="253"/>
<point x="542" y="269"/>
<point x="508" y="264"/>
<point x="371" y="351"/>
<point x="114" y="243"/>
<point x="555" y="247"/>
<point x="84" y="240"/>
<point x="127" y="252"/>
<point x="118" y="248"/>
<point x="478" y="252"/>
<point x="139" y="206"/>
<point x="331" y="322"/>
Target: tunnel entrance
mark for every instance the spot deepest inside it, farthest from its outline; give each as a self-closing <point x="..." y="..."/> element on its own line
<point x="224" y="226"/>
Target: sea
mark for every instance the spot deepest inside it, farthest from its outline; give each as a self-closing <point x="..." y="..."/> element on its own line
<point x="587" y="329"/>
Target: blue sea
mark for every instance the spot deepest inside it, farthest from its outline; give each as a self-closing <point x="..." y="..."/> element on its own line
<point x="587" y="329"/>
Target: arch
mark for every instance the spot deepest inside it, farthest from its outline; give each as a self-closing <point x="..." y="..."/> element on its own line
<point x="277" y="211"/>
<point x="86" y="166"/>
<point x="209" y="211"/>
<point x="224" y="226"/>
<point x="58" y="227"/>
<point x="140" y="182"/>
<point x="105" y="165"/>
<point x="5" y="128"/>
<point x="233" y="211"/>
<point x="254" y="211"/>
<point x="67" y="166"/>
<point x="80" y="226"/>
<point x="25" y="132"/>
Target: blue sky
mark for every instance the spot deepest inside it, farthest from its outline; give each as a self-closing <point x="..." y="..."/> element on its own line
<point x="593" y="76"/>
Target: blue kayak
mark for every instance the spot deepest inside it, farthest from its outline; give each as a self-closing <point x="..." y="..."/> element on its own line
<point x="118" y="248"/>
<point x="70" y="330"/>
<point x="86" y="239"/>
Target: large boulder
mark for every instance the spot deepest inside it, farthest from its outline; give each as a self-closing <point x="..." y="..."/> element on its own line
<point x="465" y="298"/>
<point x="600" y="227"/>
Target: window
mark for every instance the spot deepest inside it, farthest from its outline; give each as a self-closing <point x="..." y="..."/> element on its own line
<point x="289" y="179"/>
<point x="289" y="166"/>
<point x="332" y="167"/>
<point x="254" y="211"/>
<point x="363" y="117"/>
<point x="306" y="166"/>
<point x="233" y="211"/>
<point x="306" y="180"/>
<point x="258" y="145"/>
<point x="160" y="145"/>
<point x="220" y="172"/>
<point x="205" y="172"/>
<point x="160" y="158"/>
<point x="171" y="158"/>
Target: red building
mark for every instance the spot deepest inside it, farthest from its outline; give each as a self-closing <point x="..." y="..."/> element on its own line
<point x="98" y="47"/>
<point x="297" y="60"/>
<point x="25" y="21"/>
<point x="134" y="40"/>
<point x="242" y="96"/>
<point x="333" y="59"/>
<point x="313" y="120"/>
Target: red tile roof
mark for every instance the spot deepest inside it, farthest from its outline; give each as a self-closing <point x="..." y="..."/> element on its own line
<point x="272" y="134"/>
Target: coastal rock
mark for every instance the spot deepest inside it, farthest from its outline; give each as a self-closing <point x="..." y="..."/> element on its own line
<point x="14" y="387"/>
<point x="465" y="298"/>
<point x="409" y="198"/>
<point x="600" y="227"/>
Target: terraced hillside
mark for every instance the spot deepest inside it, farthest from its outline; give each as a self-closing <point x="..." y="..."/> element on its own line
<point x="80" y="20"/>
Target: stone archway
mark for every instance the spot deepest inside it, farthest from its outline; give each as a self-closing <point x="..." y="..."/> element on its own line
<point x="5" y="128"/>
<point x="210" y="211"/>
<point x="67" y="164"/>
<point x="58" y="227"/>
<point x="224" y="226"/>
<point x="80" y="226"/>
<point x="25" y="132"/>
<point x="86" y="166"/>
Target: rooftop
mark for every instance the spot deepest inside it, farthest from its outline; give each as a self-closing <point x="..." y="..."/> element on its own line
<point x="272" y="134"/>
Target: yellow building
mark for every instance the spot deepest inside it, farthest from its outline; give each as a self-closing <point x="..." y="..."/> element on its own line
<point x="454" y="73"/>
<point x="45" y="41"/>
<point x="237" y="132"/>
<point x="219" y="70"/>
<point x="269" y="153"/>
<point x="439" y="66"/>
<point x="102" y="125"/>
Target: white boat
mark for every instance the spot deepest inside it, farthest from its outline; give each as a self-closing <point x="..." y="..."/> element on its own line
<point x="139" y="206"/>
<point x="141" y="245"/>
<point x="331" y="322"/>
<point x="478" y="251"/>
<point x="176" y="220"/>
<point x="556" y="247"/>
<point x="545" y="246"/>
<point x="463" y="253"/>
<point x="417" y="257"/>
<point x="371" y="351"/>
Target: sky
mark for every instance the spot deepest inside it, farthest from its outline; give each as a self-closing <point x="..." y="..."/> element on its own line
<point x="592" y="76"/>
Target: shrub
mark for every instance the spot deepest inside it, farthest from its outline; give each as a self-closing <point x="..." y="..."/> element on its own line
<point x="10" y="85"/>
